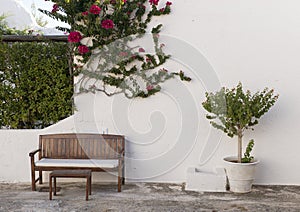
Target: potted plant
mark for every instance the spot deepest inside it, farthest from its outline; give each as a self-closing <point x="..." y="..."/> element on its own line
<point x="233" y="111"/>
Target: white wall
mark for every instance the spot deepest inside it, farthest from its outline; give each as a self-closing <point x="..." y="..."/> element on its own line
<point x="218" y="43"/>
<point x="17" y="16"/>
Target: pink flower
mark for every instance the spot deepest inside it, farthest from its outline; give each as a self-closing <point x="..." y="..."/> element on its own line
<point x="141" y="50"/>
<point x="123" y="54"/>
<point x="94" y="9"/>
<point x="83" y="49"/>
<point x="169" y="3"/>
<point x="124" y="1"/>
<point x="155" y="2"/>
<point x="162" y="10"/>
<point x="55" y="8"/>
<point x="149" y="87"/>
<point x="74" y="37"/>
<point x="107" y="24"/>
<point x="85" y="13"/>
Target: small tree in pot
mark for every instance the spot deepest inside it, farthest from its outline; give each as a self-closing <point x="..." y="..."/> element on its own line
<point x="233" y="111"/>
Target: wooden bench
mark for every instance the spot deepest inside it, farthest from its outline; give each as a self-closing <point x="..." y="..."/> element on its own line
<point x="71" y="174"/>
<point x="79" y="151"/>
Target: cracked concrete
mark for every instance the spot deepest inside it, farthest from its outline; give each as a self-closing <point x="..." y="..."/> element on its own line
<point x="145" y="197"/>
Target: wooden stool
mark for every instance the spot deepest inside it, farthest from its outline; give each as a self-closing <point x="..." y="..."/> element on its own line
<point x="71" y="174"/>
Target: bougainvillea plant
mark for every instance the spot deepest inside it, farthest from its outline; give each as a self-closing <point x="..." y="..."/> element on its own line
<point x="103" y="35"/>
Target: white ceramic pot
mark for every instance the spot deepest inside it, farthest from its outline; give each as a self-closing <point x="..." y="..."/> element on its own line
<point x="240" y="175"/>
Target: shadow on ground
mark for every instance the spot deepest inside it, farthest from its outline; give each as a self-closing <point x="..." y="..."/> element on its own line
<point x="146" y="197"/>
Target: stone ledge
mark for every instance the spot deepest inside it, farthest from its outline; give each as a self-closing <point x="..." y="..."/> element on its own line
<point x="204" y="181"/>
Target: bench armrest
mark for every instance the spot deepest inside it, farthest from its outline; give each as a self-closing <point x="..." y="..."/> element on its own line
<point x="31" y="154"/>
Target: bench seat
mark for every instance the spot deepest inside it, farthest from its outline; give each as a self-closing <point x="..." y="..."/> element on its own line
<point x="82" y="163"/>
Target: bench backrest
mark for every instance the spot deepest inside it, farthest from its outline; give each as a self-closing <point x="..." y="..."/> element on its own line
<point x="81" y="146"/>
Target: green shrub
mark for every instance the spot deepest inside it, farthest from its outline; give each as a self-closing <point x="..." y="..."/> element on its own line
<point x="234" y="110"/>
<point x="35" y="85"/>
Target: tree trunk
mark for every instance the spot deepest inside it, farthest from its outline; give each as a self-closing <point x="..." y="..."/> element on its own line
<point x="240" y="145"/>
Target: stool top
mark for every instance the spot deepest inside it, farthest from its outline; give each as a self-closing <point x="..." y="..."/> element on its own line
<point x="71" y="173"/>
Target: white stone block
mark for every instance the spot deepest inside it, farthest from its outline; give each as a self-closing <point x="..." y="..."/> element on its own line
<point x="200" y="180"/>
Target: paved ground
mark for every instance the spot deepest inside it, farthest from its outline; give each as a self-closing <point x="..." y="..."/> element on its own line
<point x="146" y="197"/>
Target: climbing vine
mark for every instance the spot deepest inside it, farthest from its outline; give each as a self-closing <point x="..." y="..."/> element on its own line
<point x="103" y="34"/>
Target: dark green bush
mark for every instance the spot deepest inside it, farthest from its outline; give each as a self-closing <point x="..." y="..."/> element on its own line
<point x="35" y="85"/>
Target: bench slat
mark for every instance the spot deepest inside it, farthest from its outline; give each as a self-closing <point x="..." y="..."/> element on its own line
<point x="81" y="146"/>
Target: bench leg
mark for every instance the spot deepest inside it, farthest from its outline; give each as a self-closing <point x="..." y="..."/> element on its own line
<point x="119" y="184"/>
<point x="90" y="185"/>
<point x="119" y="178"/>
<point x="40" y="177"/>
<point x="123" y="174"/>
<point x="33" y="187"/>
<point x="120" y="174"/>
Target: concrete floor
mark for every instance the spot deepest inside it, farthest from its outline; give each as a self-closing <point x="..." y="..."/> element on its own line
<point x="145" y="197"/>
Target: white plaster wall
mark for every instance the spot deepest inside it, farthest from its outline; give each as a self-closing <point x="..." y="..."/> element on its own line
<point x="17" y="16"/>
<point x="15" y="146"/>
<point x="217" y="43"/>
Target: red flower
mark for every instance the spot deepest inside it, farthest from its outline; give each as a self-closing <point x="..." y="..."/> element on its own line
<point x="74" y="37"/>
<point x="169" y="3"/>
<point x="141" y="50"/>
<point x="149" y="87"/>
<point x="55" y="8"/>
<point x="107" y="24"/>
<point x="94" y="9"/>
<point x="85" y="13"/>
<point x="155" y="2"/>
<point x="83" y="49"/>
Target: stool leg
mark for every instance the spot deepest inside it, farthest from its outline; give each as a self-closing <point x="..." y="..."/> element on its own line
<point x="87" y="188"/>
<point x="54" y="186"/>
<point x="50" y="187"/>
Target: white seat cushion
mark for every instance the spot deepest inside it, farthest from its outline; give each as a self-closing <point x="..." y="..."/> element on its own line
<point x="87" y="163"/>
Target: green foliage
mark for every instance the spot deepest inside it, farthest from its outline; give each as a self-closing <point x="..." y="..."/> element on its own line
<point x="35" y="85"/>
<point x="247" y="155"/>
<point x="233" y="111"/>
<point x="120" y="68"/>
